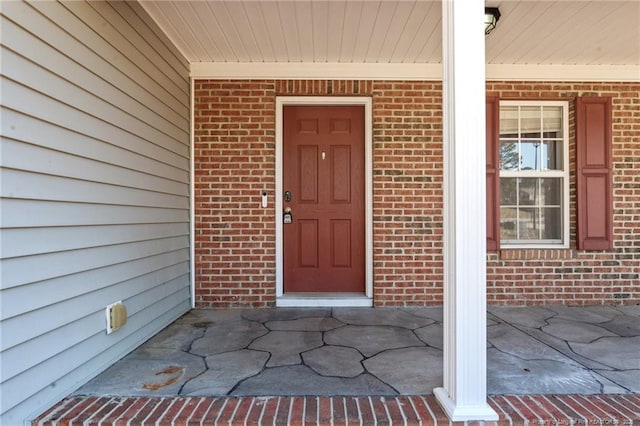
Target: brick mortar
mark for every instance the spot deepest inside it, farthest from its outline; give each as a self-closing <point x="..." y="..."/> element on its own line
<point x="235" y="160"/>
<point x="326" y="410"/>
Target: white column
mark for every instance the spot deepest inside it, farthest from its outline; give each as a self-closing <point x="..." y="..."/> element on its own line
<point x="464" y="394"/>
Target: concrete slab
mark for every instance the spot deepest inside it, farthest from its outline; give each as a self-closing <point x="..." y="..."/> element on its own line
<point x="588" y="314"/>
<point x="284" y="314"/>
<point x="304" y="324"/>
<point x="386" y="316"/>
<point x="622" y="353"/>
<point x="623" y="325"/>
<point x="285" y="346"/>
<point x="371" y="340"/>
<point x="629" y="379"/>
<point x="225" y="372"/>
<point x="335" y="361"/>
<point x="510" y="340"/>
<point x="630" y="309"/>
<point x="301" y="380"/>
<point x="563" y="347"/>
<point x="431" y="312"/>
<point x="227" y="337"/>
<point x="547" y="350"/>
<point x="157" y="372"/>
<point x="179" y="336"/>
<point x="572" y="331"/>
<point x="203" y="317"/>
<point x="431" y="335"/>
<point x="410" y="371"/>
<point x="526" y="316"/>
<point x="509" y="374"/>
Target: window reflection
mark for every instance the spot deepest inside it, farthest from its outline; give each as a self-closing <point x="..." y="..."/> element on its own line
<point x="530" y="208"/>
<point x="531" y="138"/>
<point x="532" y="172"/>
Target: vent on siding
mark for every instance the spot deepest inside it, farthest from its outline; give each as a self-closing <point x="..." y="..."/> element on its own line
<point x="116" y="316"/>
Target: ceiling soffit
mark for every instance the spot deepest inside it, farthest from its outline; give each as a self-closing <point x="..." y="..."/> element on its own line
<point x="356" y="36"/>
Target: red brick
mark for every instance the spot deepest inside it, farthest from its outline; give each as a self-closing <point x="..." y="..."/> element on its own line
<point x="270" y="410"/>
<point x="353" y="412"/>
<point x="239" y="416"/>
<point x="325" y="413"/>
<point x="235" y="159"/>
<point x="227" y="411"/>
<point x="366" y="410"/>
<point x="60" y="410"/>
<point x="296" y="414"/>
<point x="202" y="409"/>
<point x="378" y="405"/>
<point x="311" y="410"/>
<point x="255" y="411"/>
<point x="144" y="411"/>
<point x="338" y="410"/>
<point x="133" y="407"/>
<point x="284" y="409"/>
<point x="509" y="411"/>
<point x="106" y="410"/>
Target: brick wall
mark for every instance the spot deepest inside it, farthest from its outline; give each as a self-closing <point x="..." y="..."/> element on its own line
<point x="526" y="277"/>
<point x="235" y="160"/>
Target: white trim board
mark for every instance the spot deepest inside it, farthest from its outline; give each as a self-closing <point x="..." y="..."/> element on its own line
<point x="394" y="71"/>
<point x="320" y="299"/>
<point x="192" y="198"/>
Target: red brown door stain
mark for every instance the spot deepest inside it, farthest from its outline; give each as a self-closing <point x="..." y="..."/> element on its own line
<point x="323" y="168"/>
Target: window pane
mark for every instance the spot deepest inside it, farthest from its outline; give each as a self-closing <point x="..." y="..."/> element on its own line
<point x="508" y="223"/>
<point x="551" y="221"/>
<point x="509" y="121"/>
<point x="509" y="157"/>
<point x="508" y="192"/>
<point x="528" y="191"/>
<point x="532" y="152"/>
<point x="530" y="209"/>
<point x="551" y="191"/>
<point x="530" y="157"/>
<point x="551" y="155"/>
<point x="528" y="224"/>
<point x="530" y="121"/>
<point x="552" y="121"/>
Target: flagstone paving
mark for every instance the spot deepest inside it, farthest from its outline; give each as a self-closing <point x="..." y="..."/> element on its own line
<point x="377" y="351"/>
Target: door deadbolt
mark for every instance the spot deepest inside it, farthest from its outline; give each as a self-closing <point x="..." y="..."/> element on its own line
<point x="287" y="195"/>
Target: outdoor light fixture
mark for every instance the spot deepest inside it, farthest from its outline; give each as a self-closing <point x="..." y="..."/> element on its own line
<point x="491" y="16"/>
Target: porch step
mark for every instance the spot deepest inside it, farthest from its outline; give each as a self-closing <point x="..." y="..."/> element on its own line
<point x="621" y="409"/>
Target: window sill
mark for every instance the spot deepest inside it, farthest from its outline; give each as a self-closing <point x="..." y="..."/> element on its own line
<point x="540" y="253"/>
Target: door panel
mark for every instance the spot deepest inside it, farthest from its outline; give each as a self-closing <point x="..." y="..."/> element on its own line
<point x="323" y="167"/>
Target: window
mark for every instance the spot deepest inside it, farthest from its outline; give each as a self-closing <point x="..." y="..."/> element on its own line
<point x="534" y="174"/>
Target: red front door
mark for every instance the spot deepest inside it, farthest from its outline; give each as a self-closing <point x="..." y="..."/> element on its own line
<point x="323" y="177"/>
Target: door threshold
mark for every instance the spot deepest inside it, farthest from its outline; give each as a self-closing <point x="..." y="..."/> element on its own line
<point x="317" y="300"/>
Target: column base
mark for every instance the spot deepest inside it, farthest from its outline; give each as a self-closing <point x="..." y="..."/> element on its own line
<point x="461" y="413"/>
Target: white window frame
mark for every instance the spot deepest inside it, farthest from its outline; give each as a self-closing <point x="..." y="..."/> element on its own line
<point x="564" y="174"/>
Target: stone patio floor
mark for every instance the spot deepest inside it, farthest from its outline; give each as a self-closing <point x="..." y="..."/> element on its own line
<point x="328" y="353"/>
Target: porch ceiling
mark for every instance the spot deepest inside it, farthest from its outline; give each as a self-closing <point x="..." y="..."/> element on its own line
<point x="559" y="32"/>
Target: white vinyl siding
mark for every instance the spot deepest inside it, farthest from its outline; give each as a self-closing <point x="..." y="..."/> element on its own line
<point x="95" y="192"/>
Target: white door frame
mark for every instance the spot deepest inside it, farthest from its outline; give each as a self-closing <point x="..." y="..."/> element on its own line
<point x="326" y="299"/>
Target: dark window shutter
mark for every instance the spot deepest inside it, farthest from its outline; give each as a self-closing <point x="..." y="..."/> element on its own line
<point x="493" y="173"/>
<point x="594" y="174"/>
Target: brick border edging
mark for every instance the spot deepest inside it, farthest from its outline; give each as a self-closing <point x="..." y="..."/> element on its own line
<point x="621" y="409"/>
